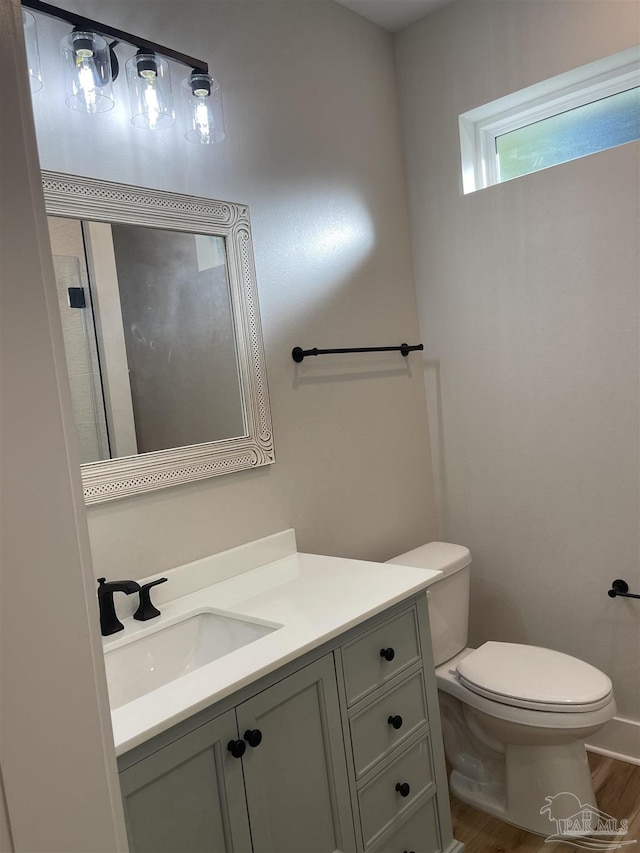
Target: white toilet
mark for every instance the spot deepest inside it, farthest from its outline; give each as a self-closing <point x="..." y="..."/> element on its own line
<point x="514" y="717"/>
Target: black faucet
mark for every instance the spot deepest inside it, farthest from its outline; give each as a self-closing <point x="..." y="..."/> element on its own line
<point x="146" y="609"/>
<point x="109" y="622"/>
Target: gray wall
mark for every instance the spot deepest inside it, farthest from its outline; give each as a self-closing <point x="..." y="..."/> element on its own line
<point x="528" y="297"/>
<point x="313" y="146"/>
<point x="58" y="778"/>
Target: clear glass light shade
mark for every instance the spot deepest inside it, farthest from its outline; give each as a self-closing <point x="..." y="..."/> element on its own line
<point x="202" y="107"/>
<point x="87" y="72"/>
<point x="150" y="95"/>
<point x="33" y="53"/>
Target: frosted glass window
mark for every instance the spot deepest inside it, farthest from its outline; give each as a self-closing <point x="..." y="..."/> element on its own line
<point x="584" y="130"/>
<point x="576" y="113"/>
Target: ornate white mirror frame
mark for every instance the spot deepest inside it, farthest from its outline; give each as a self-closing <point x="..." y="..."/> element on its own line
<point x="82" y="198"/>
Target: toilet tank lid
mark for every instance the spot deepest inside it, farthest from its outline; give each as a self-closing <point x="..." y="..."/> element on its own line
<point x="436" y="556"/>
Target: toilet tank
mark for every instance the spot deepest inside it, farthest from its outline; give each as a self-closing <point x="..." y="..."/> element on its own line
<point x="448" y="597"/>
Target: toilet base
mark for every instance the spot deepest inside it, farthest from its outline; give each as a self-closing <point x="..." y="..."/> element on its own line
<point x="527" y="767"/>
<point x="534" y="777"/>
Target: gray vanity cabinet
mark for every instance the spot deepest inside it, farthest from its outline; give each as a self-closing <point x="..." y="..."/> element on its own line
<point x="347" y="757"/>
<point x="188" y="797"/>
<point x="288" y="794"/>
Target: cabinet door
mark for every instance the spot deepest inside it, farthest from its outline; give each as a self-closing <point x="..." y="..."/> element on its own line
<point x="296" y="778"/>
<point x="188" y="797"/>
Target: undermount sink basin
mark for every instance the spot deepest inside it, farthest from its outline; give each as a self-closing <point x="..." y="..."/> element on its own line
<point x="153" y="659"/>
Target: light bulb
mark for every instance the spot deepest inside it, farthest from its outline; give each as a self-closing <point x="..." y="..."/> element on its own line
<point x="202" y="109"/>
<point x="150" y="91"/>
<point x="88" y="72"/>
<point x="202" y="117"/>
<point x="86" y="81"/>
<point x="155" y="107"/>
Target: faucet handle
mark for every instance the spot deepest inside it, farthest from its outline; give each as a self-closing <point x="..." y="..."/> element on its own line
<point x="146" y="610"/>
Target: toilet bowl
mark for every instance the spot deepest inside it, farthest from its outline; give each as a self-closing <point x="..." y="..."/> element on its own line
<point x="514" y="717"/>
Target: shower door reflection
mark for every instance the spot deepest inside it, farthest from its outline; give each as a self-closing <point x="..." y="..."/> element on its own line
<point x="157" y="367"/>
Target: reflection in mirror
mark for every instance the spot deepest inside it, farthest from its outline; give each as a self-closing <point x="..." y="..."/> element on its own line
<point x="79" y="339"/>
<point x="149" y="337"/>
<point x="161" y="328"/>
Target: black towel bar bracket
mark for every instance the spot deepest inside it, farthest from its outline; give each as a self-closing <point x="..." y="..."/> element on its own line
<point x="298" y="354"/>
<point x="621" y="588"/>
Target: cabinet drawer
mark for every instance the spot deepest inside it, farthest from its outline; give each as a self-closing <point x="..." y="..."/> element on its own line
<point x="365" y="668"/>
<point x="381" y="803"/>
<point x="373" y="736"/>
<point x="418" y="834"/>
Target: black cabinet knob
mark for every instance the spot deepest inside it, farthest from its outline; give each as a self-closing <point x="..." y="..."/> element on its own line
<point x="236" y="748"/>
<point x="396" y="721"/>
<point x="409" y="851"/>
<point x="387" y="654"/>
<point x="253" y="737"/>
<point x="403" y="788"/>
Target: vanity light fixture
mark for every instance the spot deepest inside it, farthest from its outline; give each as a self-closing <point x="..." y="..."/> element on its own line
<point x="202" y="109"/>
<point x="87" y="72"/>
<point x="91" y="66"/>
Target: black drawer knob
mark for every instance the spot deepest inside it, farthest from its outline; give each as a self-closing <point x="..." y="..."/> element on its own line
<point x="396" y="721"/>
<point x="387" y="654"/>
<point x="409" y="851"/>
<point x="253" y="737"/>
<point x="236" y="748"/>
<point x="403" y="788"/>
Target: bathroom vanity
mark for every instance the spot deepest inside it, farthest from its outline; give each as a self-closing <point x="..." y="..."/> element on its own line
<point x="322" y="734"/>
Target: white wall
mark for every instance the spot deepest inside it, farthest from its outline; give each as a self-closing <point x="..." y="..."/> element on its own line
<point x="528" y="298"/>
<point x="58" y="780"/>
<point x="313" y="146"/>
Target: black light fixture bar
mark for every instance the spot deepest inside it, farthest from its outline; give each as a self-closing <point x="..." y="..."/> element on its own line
<point x="118" y="35"/>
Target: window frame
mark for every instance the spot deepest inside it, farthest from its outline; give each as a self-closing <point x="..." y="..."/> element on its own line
<point x="480" y="127"/>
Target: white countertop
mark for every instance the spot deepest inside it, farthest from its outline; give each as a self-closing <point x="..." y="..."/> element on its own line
<point x="314" y="598"/>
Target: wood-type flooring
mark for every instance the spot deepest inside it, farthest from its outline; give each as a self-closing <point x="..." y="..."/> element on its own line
<point x="617" y="789"/>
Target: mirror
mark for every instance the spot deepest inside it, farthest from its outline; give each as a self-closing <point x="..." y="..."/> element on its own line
<point x="160" y="317"/>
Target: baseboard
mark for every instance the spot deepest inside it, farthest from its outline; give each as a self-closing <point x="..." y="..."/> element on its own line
<point x="619" y="739"/>
<point x="455" y="847"/>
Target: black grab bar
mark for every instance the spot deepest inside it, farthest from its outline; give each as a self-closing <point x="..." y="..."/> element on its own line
<point x="298" y="354"/>
<point x="621" y="588"/>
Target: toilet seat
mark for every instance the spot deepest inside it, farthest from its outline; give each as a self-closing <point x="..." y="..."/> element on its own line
<point x="448" y="681"/>
<point x="535" y="678"/>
